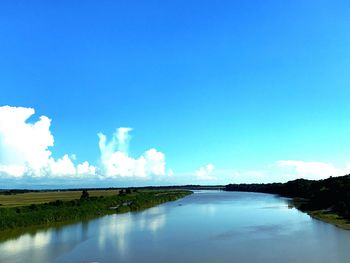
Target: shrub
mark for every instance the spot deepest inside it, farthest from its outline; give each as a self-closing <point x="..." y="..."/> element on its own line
<point x="84" y="195"/>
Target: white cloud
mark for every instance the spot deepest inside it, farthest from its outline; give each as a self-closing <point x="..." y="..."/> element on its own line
<point x="22" y="143"/>
<point x="310" y="170"/>
<point x="204" y="172"/>
<point x="24" y="147"/>
<point x="116" y="161"/>
<point x="86" y="168"/>
<point x="123" y="139"/>
<point x="155" y="162"/>
<point x="12" y="170"/>
<point x="25" y="151"/>
<point x="62" y="166"/>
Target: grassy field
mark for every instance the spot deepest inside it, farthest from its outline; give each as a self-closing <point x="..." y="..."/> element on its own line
<point x="46" y="197"/>
<point x="60" y="207"/>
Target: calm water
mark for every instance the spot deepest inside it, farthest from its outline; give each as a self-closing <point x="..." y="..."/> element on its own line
<point x="208" y="226"/>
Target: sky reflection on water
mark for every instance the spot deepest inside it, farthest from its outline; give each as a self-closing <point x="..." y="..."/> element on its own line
<point x="205" y="227"/>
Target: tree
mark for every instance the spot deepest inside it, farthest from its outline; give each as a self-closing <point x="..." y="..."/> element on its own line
<point x="84" y="195"/>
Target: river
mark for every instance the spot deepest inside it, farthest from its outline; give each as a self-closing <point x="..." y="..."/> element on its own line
<point x="208" y="226"/>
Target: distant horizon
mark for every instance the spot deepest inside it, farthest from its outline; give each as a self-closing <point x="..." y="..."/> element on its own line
<point x="173" y="93"/>
<point x="79" y="188"/>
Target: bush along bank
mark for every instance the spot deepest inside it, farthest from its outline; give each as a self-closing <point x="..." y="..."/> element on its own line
<point x="84" y="208"/>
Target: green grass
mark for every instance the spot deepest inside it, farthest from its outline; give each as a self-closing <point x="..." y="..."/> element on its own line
<point x="46" y="197"/>
<point x="329" y="217"/>
<point x="325" y="215"/>
<point x="53" y="212"/>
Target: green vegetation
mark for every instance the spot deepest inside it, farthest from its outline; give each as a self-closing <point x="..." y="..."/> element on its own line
<point x="327" y="200"/>
<point x="85" y="207"/>
<point x="24" y="198"/>
<point x="330" y="217"/>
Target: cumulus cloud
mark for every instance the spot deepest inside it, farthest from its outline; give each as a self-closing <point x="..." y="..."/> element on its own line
<point x="204" y="172"/>
<point x="116" y="161"/>
<point x="86" y="168"/>
<point x="311" y="170"/>
<point x="25" y="147"/>
<point x="23" y="144"/>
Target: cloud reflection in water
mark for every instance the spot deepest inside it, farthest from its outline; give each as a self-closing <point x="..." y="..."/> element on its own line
<point x="125" y="225"/>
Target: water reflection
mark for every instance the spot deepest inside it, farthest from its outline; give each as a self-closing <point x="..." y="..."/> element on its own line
<point x="207" y="227"/>
<point x="152" y="219"/>
<point x="112" y="232"/>
<point x="115" y="231"/>
<point x="26" y="242"/>
<point x="209" y="209"/>
<point x="120" y="230"/>
<point x="44" y="245"/>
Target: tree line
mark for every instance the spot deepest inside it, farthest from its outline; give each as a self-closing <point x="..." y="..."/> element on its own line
<point x="331" y="194"/>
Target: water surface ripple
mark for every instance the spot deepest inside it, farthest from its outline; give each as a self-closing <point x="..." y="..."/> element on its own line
<point x="208" y="226"/>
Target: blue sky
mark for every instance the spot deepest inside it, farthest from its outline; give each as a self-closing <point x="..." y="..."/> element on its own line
<point x="239" y="85"/>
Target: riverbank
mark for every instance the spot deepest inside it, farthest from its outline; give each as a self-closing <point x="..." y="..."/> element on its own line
<point x="327" y="200"/>
<point x="331" y="218"/>
<point x="58" y="211"/>
<point x="324" y="215"/>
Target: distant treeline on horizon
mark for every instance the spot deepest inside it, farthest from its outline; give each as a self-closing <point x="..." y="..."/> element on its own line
<point x="187" y="187"/>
